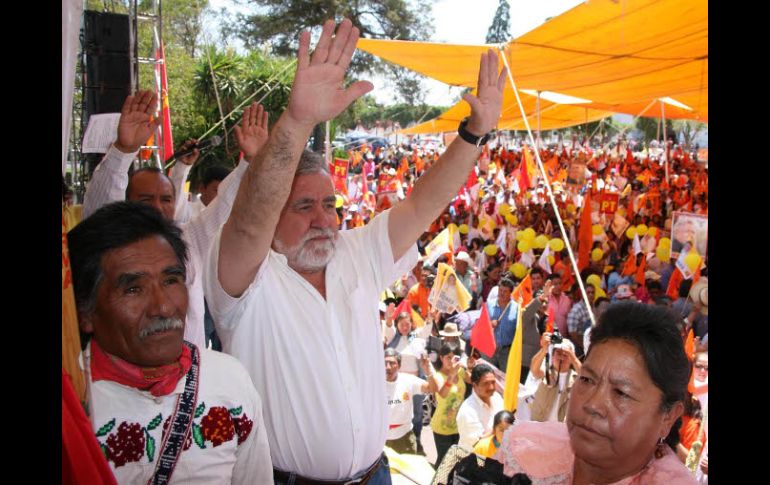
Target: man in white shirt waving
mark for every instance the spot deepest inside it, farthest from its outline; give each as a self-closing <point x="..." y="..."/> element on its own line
<point x="296" y="301"/>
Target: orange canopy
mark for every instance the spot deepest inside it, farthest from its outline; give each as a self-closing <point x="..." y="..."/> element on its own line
<point x="622" y="56"/>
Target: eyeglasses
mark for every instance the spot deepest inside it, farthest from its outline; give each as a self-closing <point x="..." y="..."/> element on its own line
<point x="701" y="367"/>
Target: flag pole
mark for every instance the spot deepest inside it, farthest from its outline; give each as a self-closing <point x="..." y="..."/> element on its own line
<point x="550" y="196"/>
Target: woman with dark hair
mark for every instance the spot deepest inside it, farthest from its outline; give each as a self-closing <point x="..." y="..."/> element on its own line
<point x="491" y="277"/>
<point x="487" y="447"/>
<point x="623" y="415"/>
<point x="452" y="377"/>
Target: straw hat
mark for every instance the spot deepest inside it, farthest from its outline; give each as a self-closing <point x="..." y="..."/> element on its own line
<point x="450" y="330"/>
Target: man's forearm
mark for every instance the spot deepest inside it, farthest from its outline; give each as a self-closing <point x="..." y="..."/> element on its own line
<point x="267" y="182"/>
<point x="430" y="195"/>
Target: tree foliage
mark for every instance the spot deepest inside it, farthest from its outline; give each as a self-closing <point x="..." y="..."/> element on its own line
<point x="279" y="22"/>
<point x="500" y="30"/>
<point x="649" y="129"/>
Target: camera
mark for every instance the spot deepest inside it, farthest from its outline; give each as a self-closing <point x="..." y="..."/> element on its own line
<point x="556" y="337"/>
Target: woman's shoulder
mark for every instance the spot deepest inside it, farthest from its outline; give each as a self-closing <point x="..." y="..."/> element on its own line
<point x="667" y="469"/>
<point x="540" y="450"/>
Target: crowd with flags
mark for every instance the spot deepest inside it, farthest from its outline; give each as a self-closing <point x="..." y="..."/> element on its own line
<point x="618" y="209"/>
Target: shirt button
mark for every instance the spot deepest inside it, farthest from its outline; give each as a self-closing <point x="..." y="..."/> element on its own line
<point x="158" y="400"/>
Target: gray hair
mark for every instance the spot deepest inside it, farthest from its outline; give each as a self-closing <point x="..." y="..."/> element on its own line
<point x="311" y="162"/>
<point x="390" y="352"/>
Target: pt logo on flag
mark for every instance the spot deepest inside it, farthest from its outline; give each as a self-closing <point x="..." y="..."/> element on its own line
<point x="609" y="203"/>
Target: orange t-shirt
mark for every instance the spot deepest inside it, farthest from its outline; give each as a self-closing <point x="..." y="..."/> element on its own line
<point x="688" y="433"/>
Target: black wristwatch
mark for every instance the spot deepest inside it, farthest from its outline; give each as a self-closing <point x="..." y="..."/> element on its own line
<point x="471" y="138"/>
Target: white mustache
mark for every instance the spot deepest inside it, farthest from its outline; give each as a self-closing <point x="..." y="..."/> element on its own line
<point x="317" y="232"/>
<point x="160" y="325"/>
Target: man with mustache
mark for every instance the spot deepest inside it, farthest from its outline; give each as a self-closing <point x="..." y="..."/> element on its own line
<point x="296" y="301"/>
<point x="110" y="182"/>
<point x="161" y="408"/>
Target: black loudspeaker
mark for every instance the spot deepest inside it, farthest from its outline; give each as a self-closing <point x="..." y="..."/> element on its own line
<point x="106" y="47"/>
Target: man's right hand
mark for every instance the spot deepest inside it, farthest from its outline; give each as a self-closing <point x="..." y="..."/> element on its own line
<point x="545" y="340"/>
<point x="136" y="124"/>
<point x="317" y="93"/>
<point x="252" y="134"/>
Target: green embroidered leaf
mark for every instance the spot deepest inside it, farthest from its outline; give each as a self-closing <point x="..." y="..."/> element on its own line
<point x="104" y="449"/>
<point x="236" y="411"/>
<point x="155" y="422"/>
<point x="198" y="436"/>
<point x="199" y="410"/>
<point x="106" y="428"/>
<point x="150" y="447"/>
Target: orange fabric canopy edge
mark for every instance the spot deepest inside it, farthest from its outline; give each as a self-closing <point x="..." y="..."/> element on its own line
<point x="622" y="56"/>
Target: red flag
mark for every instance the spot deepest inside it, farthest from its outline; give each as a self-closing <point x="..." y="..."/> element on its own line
<point x="404" y="306"/>
<point x="167" y="138"/>
<point x="482" y="337"/>
<point x="629" y="267"/>
<point x="550" y="321"/>
<point x="523" y="292"/>
<point x="585" y="236"/>
<point x="82" y="459"/>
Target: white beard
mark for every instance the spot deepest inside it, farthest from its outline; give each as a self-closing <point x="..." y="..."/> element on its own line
<point x="307" y="256"/>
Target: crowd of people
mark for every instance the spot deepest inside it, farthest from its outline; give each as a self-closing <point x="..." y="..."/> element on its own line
<point x="318" y="292"/>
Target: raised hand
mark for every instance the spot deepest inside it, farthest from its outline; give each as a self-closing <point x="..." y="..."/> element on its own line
<point x="190" y="158"/>
<point x="252" y="134"/>
<point x="136" y="124"/>
<point x="485" y="106"/>
<point x="317" y="93"/>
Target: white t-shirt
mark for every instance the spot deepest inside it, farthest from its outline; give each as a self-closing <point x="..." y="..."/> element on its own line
<point x="317" y="363"/>
<point x="399" y="395"/>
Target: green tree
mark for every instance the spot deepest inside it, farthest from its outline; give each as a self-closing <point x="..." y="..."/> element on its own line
<point x="499" y="31"/>
<point x="649" y="128"/>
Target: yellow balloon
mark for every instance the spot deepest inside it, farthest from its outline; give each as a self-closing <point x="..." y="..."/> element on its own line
<point x="338" y="201"/>
<point x="541" y="241"/>
<point x="594" y="280"/>
<point x="551" y="260"/>
<point x="631" y="232"/>
<point x="597" y="229"/>
<point x="692" y="260"/>
<point x="664" y="242"/>
<point x="503" y="209"/>
<point x="518" y="270"/>
<point x="490" y="249"/>
<point x="641" y="229"/>
<point x="663" y="253"/>
<point x="556" y="244"/>
<point x="463" y="228"/>
<point x="520" y="235"/>
<point x="597" y="254"/>
<point x="452" y="227"/>
<point x="512" y="219"/>
<point x="529" y="234"/>
<point x="652" y="232"/>
<point x="524" y="245"/>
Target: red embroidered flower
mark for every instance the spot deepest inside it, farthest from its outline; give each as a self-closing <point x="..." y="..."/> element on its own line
<point x="166" y="425"/>
<point x="217" y="425"/>
<point x="243" y="427"/>
<point x="126" y="444"/>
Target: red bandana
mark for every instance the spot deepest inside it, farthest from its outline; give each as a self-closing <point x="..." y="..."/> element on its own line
<point x="158" y="380"/>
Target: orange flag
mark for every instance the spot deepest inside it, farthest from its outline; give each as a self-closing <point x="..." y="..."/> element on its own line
<point x="523" y="292"/>
<point x="689" y="345"/>
<point x="640" y="270"/>
<point x="629" y="267"/>
<point x="585" y="236"/>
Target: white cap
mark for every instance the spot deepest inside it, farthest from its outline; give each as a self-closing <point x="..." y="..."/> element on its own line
<point x="463" y="256"/>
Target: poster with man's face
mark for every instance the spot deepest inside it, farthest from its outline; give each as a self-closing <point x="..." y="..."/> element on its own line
<point x="689" y="228"/>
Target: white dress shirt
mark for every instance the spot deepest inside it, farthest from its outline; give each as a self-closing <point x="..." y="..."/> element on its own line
<point x="317" y="363"/>
<point x="108" y="184"/>
<point x="475" y="418"/>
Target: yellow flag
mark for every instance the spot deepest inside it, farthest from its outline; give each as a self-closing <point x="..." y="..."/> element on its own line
<point x="513" y="371"/>
<point x="440" y="244"/>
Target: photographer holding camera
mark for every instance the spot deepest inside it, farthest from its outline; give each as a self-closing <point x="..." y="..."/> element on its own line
<point x="555" y="366"/>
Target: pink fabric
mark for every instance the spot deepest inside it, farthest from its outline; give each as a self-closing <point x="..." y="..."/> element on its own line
<point x="559" y="308"/>
<point x="543" y="452"/>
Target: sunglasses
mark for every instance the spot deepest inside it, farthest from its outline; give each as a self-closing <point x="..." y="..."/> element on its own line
<point x="702" y="367"/>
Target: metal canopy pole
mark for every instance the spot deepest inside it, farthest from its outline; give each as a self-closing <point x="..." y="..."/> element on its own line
<point x="538" y="121"/>
<point x="665" y="139"/>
